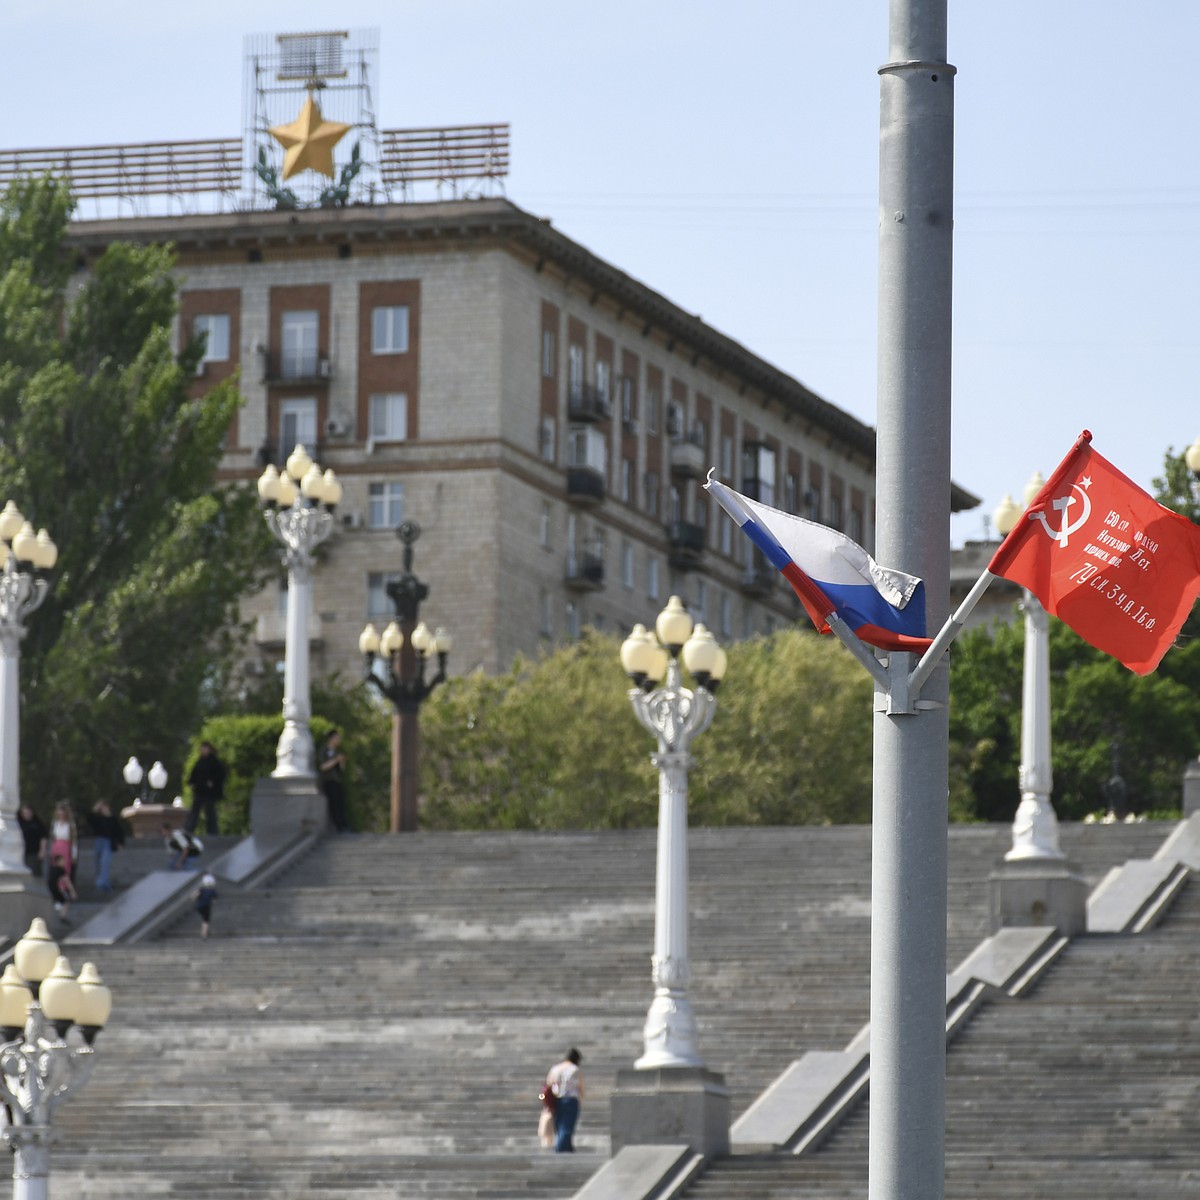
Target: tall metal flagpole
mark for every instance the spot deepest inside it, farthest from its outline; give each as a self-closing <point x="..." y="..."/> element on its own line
<point x="908" y="884"/>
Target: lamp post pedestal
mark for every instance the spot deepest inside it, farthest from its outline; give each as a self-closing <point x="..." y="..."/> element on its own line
<point x="1191" y="788"/>
<point x="285" y="806"/>
<point x="671" y="1105"/>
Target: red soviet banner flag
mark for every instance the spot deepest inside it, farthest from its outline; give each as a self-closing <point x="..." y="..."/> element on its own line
<point x="1106" y="558"/>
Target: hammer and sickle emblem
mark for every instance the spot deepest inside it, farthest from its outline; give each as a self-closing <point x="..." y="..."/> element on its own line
<point x="1065" y="527"/>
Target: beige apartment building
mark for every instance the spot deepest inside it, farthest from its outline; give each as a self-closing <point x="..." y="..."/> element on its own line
<point x="546" y="419"/>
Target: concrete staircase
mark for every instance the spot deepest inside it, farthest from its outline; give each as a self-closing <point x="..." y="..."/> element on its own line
<point x="1087" y="1087"/>
<point x="376" y="1022"/>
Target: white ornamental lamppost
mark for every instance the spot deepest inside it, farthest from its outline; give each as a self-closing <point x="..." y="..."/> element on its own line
<point x="674" y="715"/>
<point x="298" y="507"/>
<point x="28" y="560"/>
<point x="1035" y="827"/>
<point x="40" y="1001"/>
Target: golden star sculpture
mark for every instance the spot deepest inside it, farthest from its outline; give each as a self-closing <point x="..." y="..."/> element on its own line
<point x="309" y="141"/>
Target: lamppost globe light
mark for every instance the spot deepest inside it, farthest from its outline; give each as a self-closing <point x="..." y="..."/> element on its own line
<point x="674" y="625"/>
<point x="60" y="996"/>
<point x="700" y="654"/>
<point x="95" y="1001"/>
<point x="637" y="654"/>
<point x="658" y="664"/>
<point x="1006" y="516"/>
<point x="718" y="671"/>
<point x="11" y="520"/>
<point x="443" y="643"/>
<point x="24" y="545"/>
<point x="1037" y="481"/>
<point x="268" y="485"/>
<point x="158" y="776"/>
<point x="1191" y="456"/>
<point x="421" y="638"/>
<point x="132" y="772"/>
<point x="333" y="489"/>
<point x="368" y="640"/>
<point x="312" y="483"/>
<point x="286" y="493"/>
<point x="36" y="953"/>
<point x="391" y="640"/>
<point x="46" y="553"/>
<point x="298" y="462"/>
<point x="14" y="1002"/>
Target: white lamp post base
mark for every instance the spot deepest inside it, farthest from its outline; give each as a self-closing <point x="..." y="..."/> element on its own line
<point x="670" y="1033"/>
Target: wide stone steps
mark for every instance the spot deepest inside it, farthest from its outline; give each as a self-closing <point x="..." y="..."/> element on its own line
<point x="1087" y="1087"/>
<point x="399" y="999"/>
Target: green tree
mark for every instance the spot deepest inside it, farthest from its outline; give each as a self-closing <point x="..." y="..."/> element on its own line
<point x="101" y="444"/>
<point x="554" y="743"/>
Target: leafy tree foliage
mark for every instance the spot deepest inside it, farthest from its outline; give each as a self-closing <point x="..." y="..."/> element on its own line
<point x="101" y="444"/>
<point x="554" y="743"/>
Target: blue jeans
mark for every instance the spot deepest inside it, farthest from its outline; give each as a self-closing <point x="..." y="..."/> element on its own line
<point x="566" y="1113"/>
<point x="104" y="853"/>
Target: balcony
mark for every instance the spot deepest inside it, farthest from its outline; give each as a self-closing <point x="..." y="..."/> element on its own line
<point x="688" y="457"/>
<point x="300" y="370"/>
<point x="585" y="573"/>
<point x="760" y="577"/>
<point x="270" y="629"/>
<point x="685" y="545"/>
<point x="585" y="486"/>
<point x="586" y="403"/>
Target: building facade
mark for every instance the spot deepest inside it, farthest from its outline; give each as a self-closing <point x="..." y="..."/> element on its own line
<point x="546" y="419"/>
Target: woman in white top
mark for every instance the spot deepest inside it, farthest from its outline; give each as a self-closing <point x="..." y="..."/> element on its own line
<point x="565" y="1080"/>
<point x="64" y="839"/>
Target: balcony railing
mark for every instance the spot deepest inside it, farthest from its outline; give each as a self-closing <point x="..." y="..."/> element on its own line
<point x="586" y="403"/>
<point x="585" y="572"/>
<point x="688" y="457"/>
<point x="585" y="486"/>
<point x="685" y="545"/>
<point x="308" y="369"/>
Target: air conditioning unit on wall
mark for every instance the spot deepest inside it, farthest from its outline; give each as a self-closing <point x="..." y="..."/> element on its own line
<point x="352" y="519"/>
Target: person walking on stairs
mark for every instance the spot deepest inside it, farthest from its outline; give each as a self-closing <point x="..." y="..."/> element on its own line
<point x="565" y="1080"/>
<point x="204" y="896"/>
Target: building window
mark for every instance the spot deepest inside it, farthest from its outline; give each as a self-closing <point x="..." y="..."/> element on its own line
<point x="549" y="354"/>
<point x="726" y="534"/>
<point x="544" y="525"/>
<point x="701" y="600"/>
<point x="835" y="511"/>
<point x="674" y="505"/>
<point x="727" y="455"/>
<point x="603" y="380"/>
<point x="215" y="328"/>
<point x="812" y="504"/>
<point x="726" y="615"/>
<point x="627" y="480"/>
<point x="575" y="371"/>
<point x="652" y="578"/>
<point x="385" y="505"/>
<point x="628" y="414"/>
<point x="651" y="483"/>
<point x="856" y="526"/>
<point x="652" y="406"/>
<point x="791" y="492"/>
<point x="700" y="435"/>
<point x="572" y="619"/>
<point x="702" y="519"/>
<point x="675" y="419"/>
<point x="389" y="329"/>
<point x="379" y="603"/>
<point x="546" y="446"/>
<point x="298" y="425"/>
<point x="547" y="614"/>
<point x="758" y="472"/>
<point x="299" y="357"/>
<point x="627" y="564"/>
<point x="389" y="417"/>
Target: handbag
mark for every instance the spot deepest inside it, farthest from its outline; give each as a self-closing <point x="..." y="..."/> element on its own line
<point x="547" y="1097"/>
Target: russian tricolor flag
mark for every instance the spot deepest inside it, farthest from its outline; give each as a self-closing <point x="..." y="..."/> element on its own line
<point x="832" y="574"/>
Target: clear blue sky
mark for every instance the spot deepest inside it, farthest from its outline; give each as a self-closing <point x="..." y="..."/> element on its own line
<point x="727" y="156"/>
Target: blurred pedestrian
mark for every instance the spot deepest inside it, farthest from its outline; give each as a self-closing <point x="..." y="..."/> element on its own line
<point x="565" y="1080"/>
<point x="62" y="890"/>
<point x="203" y="897"/>
<point x="64" y="837"/>
<point x="207" y="781"/>
<point x="109" y="837"/>
<point x="333" y="767"/>
<point x="181" y="846"/>
<point x="35" y="833"/>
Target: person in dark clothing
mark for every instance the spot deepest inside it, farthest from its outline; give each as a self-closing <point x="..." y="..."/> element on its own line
<point x="333" y="765"/>
<point x="61" y="887"/>
<point x="109" y="837"/>
<point x="207" y="781"/>
<point x="35" y="833"/>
